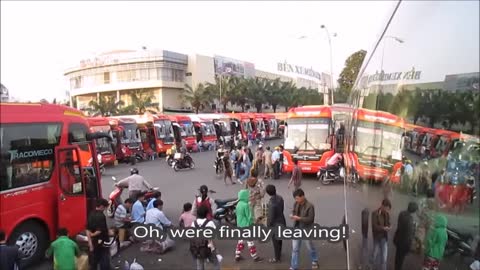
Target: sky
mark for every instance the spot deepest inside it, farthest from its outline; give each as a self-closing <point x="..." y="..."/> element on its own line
<point x="40" y="40"/>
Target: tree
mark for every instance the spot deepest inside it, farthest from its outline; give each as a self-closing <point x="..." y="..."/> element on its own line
<point x="238" y="94"/>
<point x="349" y="74"/>
<point x="105" y="106"/>
<point x="197" y="98"/>
<point x="142" y="100"/>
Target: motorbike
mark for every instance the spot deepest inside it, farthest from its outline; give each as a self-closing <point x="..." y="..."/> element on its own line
<point x="226" y="210"/>
<point x="328" y="176"/>
<point x="182" y="162"/>
<point x="461" y="243"/>
<point x="114" y="199"/>
<point x="169" y="160"/>
<point x="218" y="164"/>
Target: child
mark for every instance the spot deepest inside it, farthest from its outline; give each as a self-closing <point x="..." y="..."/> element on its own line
<point x="187" y="218"/>
<point x="64" y="251"/>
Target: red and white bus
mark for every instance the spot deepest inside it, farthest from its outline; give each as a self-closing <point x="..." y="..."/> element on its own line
<point x="104" y="146"/>
<point x="126" y="138"/>
<point x="187" y="131"/>
<point x="377" y="144"/>
<point x="308" y="138"/>
<point x="43" y="183"/>
<point x="204" y="128"/>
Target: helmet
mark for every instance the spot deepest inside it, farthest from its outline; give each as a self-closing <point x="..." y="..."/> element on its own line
<point x="133" y="171"/>
<point x="203" y="189"/>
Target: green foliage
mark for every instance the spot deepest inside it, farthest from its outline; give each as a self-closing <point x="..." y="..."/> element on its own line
<point x="348" y="76"/>
<point x="142" y="101"/>
<point x="434" y="106"/>
<point x="197" y="98"/>
<point x="105" y="106"/>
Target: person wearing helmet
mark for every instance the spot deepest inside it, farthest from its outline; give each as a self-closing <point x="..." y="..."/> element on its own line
<point x="135" y="184"/>
<point x="204" y="200"/>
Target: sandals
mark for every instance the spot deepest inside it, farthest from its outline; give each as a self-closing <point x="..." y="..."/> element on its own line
<point x="315" y="265"/>
<point x="273" y="260"/>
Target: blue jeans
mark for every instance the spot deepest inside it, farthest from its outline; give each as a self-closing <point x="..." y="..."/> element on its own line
<point x="380" y="249"/>
<point x="246" y="174"/>
<point x="296" y="244"/>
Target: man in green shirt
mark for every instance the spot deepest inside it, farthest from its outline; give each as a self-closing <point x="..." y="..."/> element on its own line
<point x="64" y="251"/>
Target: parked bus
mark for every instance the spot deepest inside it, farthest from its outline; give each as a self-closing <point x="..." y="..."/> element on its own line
<point x="377" y="144"/>
<point x="281" y="120"/>
<point x="204" y="129"/>
<point x="164" y="132"/>
<point x="272" y="125"/>
<point x="188" y="131"/>
<point x="104" y="146"/>
<point x="243" y="123"/>
<point x="308" y="138"/>
<point x="126" y="138"/>
<point x="43" y="183"/>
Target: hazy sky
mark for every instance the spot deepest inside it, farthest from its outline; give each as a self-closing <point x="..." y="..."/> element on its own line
<point x="40" y="40"/>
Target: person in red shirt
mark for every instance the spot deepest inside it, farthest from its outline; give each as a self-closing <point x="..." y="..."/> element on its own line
<point x="203" y="199"/>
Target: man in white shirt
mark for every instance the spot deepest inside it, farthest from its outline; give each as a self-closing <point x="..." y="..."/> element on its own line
<point x="135" y="184"/>
<point x="156" y="216"/>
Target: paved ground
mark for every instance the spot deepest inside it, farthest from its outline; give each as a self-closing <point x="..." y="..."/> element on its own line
<point x="180" y="187"/>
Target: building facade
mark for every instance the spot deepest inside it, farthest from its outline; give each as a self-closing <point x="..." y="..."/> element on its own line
<point x="159" y="73"/>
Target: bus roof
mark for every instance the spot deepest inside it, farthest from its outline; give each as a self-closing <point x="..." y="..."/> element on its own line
<point x="36" y="112"/>
<point x="379" y="116"/>
<point x="117" y="120"/>
<point x="310" y="111"/>
<point x="98" y="121"/>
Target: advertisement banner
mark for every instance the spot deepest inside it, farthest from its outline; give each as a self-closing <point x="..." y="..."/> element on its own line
<point x="233" y="67"/>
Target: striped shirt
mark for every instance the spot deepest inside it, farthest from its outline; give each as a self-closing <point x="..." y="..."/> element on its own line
<point x="120" y="215"/>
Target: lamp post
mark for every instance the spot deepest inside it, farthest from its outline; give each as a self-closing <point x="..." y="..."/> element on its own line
<point x="331" y="59"/>
<point x="331" y="63"/>
<point x="384" y="39"/>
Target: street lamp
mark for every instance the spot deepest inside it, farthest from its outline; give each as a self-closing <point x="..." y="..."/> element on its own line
<point x="331" y="60"/>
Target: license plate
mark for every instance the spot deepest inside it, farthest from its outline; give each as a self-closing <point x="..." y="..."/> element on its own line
<point x="307" y="168"/>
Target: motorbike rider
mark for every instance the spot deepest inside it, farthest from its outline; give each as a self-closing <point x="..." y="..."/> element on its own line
<point x="340" y="135"/>
<point x="333" y="163"/>
<point x="135" y="184"/>
<point x="203" y="199"/>
<point x="219" y="157"/>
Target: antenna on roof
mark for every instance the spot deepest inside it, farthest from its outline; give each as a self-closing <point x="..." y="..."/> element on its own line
<point x="144" y="47"/>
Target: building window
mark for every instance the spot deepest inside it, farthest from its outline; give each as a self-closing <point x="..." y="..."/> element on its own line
<point x="106" y="77"/>
<point x="76" y="82"/>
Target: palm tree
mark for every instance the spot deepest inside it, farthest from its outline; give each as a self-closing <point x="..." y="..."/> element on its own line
<point x="238" y="93"/>
<point x="225" y="84"/>
<point x="198" y="98"/>
<point x="291" y="97"/>
<point x="276" y="92"/>
<point x="105" y="106"/>
<point x="142" y="100"/>
<point x="256" y="92"/>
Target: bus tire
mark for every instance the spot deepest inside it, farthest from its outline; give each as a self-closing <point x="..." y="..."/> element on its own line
<point x="30" y="237"/>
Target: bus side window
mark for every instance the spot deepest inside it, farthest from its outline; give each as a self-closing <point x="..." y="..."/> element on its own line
<point x="70" y="174"/>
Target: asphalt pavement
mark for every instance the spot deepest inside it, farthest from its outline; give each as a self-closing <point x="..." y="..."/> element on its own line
<point x="329" y="201"/>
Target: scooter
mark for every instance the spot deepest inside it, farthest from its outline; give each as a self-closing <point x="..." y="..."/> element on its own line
<point x="328" y="176"/>
<point x="460" y="243"/>
<point x="182" y="162"/>
<point x="114" y="199"/>
<point x="226" y="210"/>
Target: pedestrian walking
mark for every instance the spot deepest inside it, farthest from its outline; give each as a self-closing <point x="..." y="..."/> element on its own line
<point x="97" y="233"/>
<point x="280" y="159"/>
<point x="276" y="163"/>
<point x="228" y="171"/>
<point x="9" y="255"/>
<point x="380" y="229"/>
<point x="64" y="251"/>
<point x="267" y="161"/>
<point x="202" y="249"/>
<point x="245" y="219"/>
<point x="256" y="190"/>
<point x="303" y="215"/>
<point x="435" y="243"/>
<point x="404" y="234"/>
<point x="205" y="200"/>
<point x="275" y="218"/>
<point x="296" y="179"/>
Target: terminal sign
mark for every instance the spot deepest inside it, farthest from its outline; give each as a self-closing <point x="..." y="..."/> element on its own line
<point x="285" y="67"/>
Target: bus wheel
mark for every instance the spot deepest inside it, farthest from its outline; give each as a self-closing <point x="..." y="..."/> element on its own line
<point x="31" y="240"/>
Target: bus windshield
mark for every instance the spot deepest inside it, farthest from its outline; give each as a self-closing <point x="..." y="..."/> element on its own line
<point x="308" y="134"/>
<point x="247" y="126"/>
<point x="377" y="139"/>
<point x="208" y="129"/>
<point x="187" y="127"/>
<point x="103" y="145"/>
<point x="130" y="134"/>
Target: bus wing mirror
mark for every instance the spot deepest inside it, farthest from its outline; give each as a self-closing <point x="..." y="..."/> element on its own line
<point x="98" y="135"/>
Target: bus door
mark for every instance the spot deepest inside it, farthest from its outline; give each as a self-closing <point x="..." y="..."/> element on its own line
<point x="72" y="202"/>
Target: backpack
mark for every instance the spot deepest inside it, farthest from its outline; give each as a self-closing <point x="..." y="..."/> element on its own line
<point x="206" y="203"/>
<point x="199" y="247"/>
